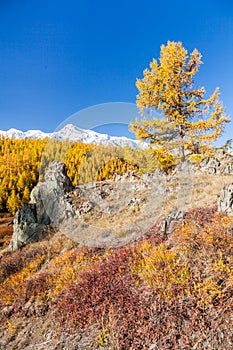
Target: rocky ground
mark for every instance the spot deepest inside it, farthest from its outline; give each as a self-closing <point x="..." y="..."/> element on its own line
<point x="119" y="210"/>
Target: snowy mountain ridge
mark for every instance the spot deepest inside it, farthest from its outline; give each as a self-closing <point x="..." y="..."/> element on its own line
<point x="73" y="133"/>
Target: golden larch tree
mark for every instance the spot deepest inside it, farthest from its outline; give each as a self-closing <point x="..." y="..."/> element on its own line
<point x="189" y="122"/>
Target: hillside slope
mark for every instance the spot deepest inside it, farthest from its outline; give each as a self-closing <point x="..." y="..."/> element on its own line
<point x="169" y="288"/>
<point x="165" y="291"/>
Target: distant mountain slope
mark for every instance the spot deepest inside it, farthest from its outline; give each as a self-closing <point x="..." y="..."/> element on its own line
<point x="73" y="133"/>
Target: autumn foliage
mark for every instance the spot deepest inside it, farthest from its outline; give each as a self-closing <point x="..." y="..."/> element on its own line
<point x="23" y="163"/>
<point x="172" y="292"/>
<point x="189" y="122"/>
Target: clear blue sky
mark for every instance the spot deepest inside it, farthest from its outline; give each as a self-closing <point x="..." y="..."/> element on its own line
<point x="58" y="57"/>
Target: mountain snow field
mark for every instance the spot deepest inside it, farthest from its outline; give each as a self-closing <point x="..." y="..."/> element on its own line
<point x="73" y="133"/>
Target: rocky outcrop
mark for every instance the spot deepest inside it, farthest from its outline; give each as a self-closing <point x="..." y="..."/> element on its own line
<point x="27" y="228"/>
<point x="221" y="163"/>
<point x="112" y="212"/>
<point x="169" y="223"/>
<point x="226" y="200"/>
<point x="104" y="214"/>
<point x="48" y="205"/>
<point x="185" y="167"/>
<point x="50" y="195"/>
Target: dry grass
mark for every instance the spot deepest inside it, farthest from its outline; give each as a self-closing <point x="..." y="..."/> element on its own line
<point x="123" y="223"/>
<point x="207" y="189"/>
<point x="194" y="191"/>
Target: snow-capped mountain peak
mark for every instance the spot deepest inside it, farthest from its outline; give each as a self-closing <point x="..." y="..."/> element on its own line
<point x="73" y="133"/>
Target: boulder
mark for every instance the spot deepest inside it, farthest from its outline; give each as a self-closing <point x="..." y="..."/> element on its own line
<point x="48" y="205"/>
<point x="210" y="162"/>
<point x="50" y="196"/>
<point x="226" y="200"/>
<point x="210" y="165"/>
<point x="221" y="164"/>
<point x="168" y="224"/>
<point x="27" y="229"/>
<point x="185" y="167"/>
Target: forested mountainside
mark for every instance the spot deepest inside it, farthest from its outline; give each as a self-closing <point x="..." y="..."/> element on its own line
<point x="23" y="163"/>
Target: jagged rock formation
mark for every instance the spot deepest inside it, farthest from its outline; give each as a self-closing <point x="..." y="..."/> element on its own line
<point x="28" y="227"/>
<point x="226" y="200"/>
<point x="221" y="163"/>
<point x="48" y="205"/>
<point x="51" y="193"/>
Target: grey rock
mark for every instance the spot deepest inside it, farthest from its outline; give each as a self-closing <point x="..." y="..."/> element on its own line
<point x="226" y="200"/>
<point x="228" y="168"/>
<point x="84" y="208"/>
<point x="170" y="222"/>
<point x="48" y="205"/>
<point x="129" y="176"/>
<point x="221" y="164"/>
<point x="210" y="162"/>
<point x="57" y="174"/>
<point x="185" y="167"/>
<point x="27" y="229"/>
<point x="51" y="196"/>
<point x="134" y="202"/>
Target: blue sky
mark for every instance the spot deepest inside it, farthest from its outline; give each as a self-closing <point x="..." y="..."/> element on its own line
<point x="59" y="57"/>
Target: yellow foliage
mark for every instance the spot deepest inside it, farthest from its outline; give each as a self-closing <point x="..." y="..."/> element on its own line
<point x="163" y="270"/>
<point x="11" y="327"/>
<point x="64" y="269"/>
<point x="13" y="287"/>
<point x="199" y="264"/>
<point x="189" y="122"/>
<point x="23" y="162"/>
<point x="208" y="246"/>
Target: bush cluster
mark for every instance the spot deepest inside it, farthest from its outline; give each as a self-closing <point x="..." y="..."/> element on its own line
<point x="160" y="292"/>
